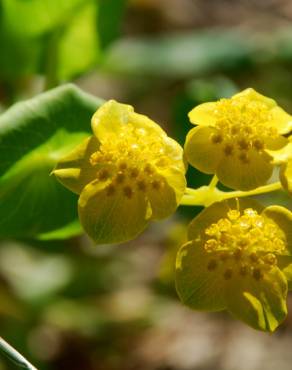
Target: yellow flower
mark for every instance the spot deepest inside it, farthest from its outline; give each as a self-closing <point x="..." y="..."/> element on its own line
<point x="233" y="136"/>
<point x="128" y="173"/>
<point x="238" y="258"/>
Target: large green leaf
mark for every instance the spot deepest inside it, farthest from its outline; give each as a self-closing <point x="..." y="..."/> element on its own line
<point x="33" y="17"/>
<point x="33" y="136"/>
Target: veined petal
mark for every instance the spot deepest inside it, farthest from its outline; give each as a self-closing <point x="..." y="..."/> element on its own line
<point x="281" y="120"/>
<point x="252" y="95"/>
<point x="162" y="198"/>
<point x="112" y="214"/>
<point x="283" y="218"/>
<point x="216" y="211"/>
<point x="283" y="154"/>
<point x="112" y="117"/>
<point x="201" y="152"/>
<point x="74" y="171"/>
<point x="175" y="178"/>
<point x="204" y="114"/>
<point x="199" y="286"/>
<point x="259" y="303"/>
<point x="286" y="176"/>
<point x="255" y="171"/>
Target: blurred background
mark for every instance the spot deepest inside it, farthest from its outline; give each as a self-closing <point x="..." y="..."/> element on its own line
<point x="72" y="305"/>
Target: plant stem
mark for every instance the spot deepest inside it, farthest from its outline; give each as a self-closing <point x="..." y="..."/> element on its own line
<point x="213" y="182"/>
<point x="15" y="356"/>
<point x="206" y="195"/>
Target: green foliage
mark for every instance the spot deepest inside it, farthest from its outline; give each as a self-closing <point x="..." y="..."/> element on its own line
<point x="109" y="20"/>
<point x="33" y="136"/>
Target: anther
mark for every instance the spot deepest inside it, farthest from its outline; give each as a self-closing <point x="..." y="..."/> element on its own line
<point x="228" y="149"/>
<point x="227" y="274"/>
<point x="243" y="144"/>
<point x="148" y="169"/>
<point x="216" y="138"/>
<point x="258" y="144"/>
<point x="134" y="172"/>
<point x="141" y="185"/>
<point x="253" y="257"/>
<point x="237" y="253"/>
<point x="110" y="190"/>
<point x="257" y="274"/>
<point x="103" y="175"/>
<point x="120" y="178"/>
<point x="156" y="184"/>
<point x="243" y="157"/>
<point x="123" y="166"/>
<point x="128" y="191"/>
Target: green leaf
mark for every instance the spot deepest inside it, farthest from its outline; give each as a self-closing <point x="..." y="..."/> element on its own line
<point x="78" y="46"/>
<point x="109" y="19"/>
<point x="37" y="16"/>
<point x="180" y="55"/>
<point x="34" y="135"/>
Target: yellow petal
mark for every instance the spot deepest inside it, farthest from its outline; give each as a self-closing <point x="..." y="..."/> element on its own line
<point x="281" y="120"/>
<point x="112" y="116"/>
<point x="203" y="114"/>
<point x="162" y="198"/>
<point x="259" y="303"/>
<point x="199" y="286"/>
<point x="252" y="95"/>
<point x="283" y="218"/>
<point x="201" y="152"/>
<point x="111" y="214"/>
<point x="74" y="171"/>
<point x="245" y="175"/>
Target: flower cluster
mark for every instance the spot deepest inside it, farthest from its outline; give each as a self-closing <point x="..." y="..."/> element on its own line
<point x="234" y="138"/>
<point x="239" y="258"/>
<point x="238" y="255"/>
<point x="128" y="173"/>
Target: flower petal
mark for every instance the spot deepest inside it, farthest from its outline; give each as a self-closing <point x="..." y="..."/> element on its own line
<point x="162" y="198"/>
<point x="74" y="171"/>
<point x="216" y="211"/>
<point x="198" y="287"/>
<point x="283" y="218"/>
<point x="201" y="152"/>
<point x="110" y="214"/>
<point x="245" y="175"/>
<point x="253" y="95"/>
<point x="112" y="116"/>
<point x="203" y="114"/>
<point x="259" y="303"/>
<point x="281" y="120"/>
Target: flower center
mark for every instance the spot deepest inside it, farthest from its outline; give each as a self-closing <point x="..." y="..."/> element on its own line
<point x="245" y="243"/>
<point x="131" y="159"/>
<point x="242" y="125"/>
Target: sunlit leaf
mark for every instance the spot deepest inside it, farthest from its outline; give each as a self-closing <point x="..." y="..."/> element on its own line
<point x="33" y="136"/>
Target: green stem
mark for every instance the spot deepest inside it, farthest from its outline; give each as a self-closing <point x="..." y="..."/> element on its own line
<point x="206" y="195"/>
<point x="214" y="182"/>
<point x="15" y="356"/>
